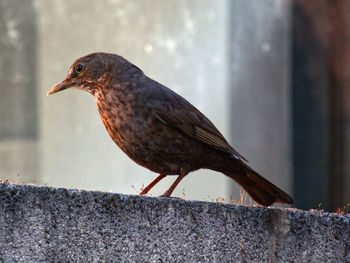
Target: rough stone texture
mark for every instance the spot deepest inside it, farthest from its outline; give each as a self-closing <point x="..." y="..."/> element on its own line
<point x="42" y="224"/>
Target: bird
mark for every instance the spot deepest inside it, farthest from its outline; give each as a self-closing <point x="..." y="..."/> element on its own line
<point x="159" y="129"/>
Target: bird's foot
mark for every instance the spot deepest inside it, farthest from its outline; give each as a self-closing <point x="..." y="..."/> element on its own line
<point x="143" y="192"/>
<point x="166" y="194"/>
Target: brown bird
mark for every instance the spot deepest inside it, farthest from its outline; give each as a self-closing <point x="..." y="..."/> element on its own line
<point x="158" y="128"/>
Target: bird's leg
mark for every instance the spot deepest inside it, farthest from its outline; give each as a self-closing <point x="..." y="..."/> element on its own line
<point x="168" y="192"/>
<point x="153" y="183"/>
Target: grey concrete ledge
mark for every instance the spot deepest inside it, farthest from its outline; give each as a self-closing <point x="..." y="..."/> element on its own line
<point x="43" y="224"/>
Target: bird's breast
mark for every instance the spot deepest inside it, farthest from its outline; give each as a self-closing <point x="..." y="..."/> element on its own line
<point x="134" y="128"/>
<point x="116" y="113"/>
<point x="126" y="122"/>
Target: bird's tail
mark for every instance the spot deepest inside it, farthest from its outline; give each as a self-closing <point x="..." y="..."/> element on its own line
<point x="260" y="189"/>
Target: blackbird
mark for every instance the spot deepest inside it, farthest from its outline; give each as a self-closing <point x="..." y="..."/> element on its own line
<point x="158" y="128"/>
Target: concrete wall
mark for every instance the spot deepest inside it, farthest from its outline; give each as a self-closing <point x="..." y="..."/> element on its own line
<point x="42" y="224"/>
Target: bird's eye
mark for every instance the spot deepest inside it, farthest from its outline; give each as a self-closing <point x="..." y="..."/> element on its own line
<point x="79" y="68"/>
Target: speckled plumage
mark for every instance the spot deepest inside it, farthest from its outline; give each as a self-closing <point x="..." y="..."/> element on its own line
<point x="158" y="128"/>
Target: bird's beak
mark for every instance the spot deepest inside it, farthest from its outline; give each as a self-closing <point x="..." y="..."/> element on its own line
<point x="59" y="86"/>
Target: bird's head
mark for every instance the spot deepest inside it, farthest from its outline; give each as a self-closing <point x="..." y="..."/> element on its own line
<point x="97" y="71"/>
<point x="85" y="73"/>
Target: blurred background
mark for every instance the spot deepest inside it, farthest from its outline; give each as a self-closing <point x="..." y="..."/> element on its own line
<point x="272" y="75"/>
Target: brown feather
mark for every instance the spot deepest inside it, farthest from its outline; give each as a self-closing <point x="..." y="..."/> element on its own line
<point x="204" y="130"/>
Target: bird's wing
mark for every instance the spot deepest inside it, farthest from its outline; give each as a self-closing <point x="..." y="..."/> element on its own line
<point x="194" y="124"/>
